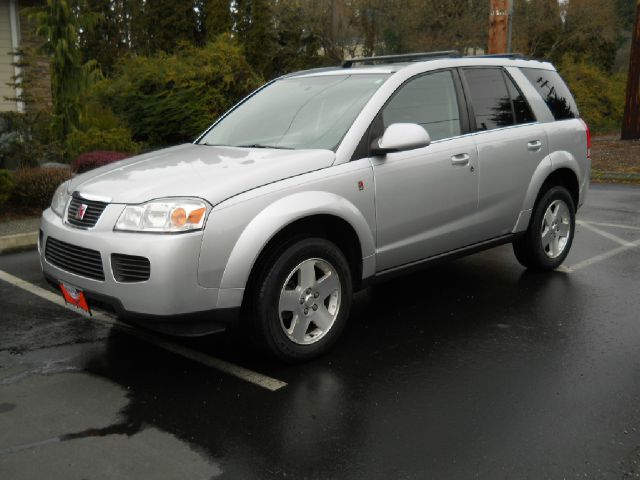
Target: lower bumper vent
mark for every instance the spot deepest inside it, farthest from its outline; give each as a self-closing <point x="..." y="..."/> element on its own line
<point x="72" y="258"/>
<point x="130" y="268"/>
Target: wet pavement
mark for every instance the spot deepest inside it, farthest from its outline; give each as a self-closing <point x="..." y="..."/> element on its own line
<point x="472" y="369"/>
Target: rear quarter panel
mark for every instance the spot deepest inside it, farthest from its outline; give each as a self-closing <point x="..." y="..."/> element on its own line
<point x="568" y="149"/>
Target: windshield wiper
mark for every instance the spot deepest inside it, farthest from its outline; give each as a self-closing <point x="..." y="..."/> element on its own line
<point x="259" y="145"/>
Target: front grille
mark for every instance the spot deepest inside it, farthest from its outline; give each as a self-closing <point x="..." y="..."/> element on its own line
<point x="129" y="268"/>
<point x="74" y="259"/>
<point x="92" y="212"/>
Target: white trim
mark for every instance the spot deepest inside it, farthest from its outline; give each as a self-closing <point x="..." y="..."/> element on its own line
<point x="15" y="44"/>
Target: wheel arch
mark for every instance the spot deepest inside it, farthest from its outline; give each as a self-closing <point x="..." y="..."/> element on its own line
<point x="330" y="227"/>
<point x="320" y="214"/>
<point x="564" y="177"/>
<point x="549" y="172"/>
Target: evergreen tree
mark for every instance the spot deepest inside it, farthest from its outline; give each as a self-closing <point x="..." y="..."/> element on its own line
<point x="216" y="18"/>
<point x="169" y="22"/>
<point x="60" y="24"/>
<point x="255" y="26"/>
<point x="107" y="41"/>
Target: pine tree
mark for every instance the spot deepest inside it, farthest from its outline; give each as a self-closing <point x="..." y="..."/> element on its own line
<point x="169" y="22"/>
<point x="254" y="24"/>
<point x="60" y="24"/>
<point x="216" y="18"/>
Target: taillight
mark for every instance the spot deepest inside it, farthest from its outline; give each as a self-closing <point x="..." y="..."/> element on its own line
<point x="586" y="127"/>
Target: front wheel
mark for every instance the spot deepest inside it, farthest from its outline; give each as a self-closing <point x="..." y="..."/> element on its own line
<point x="547" y="241"/>
<point x="302" y="300"/>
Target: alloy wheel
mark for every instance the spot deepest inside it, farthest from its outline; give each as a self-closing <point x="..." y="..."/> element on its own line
<point x="309" y="301"/>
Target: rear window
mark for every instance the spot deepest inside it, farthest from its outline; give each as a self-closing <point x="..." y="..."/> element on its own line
<point x="490" y="98"/>
<point x="554" y="91"/>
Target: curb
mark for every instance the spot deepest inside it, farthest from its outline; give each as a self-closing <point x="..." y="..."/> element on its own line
<point x="602" y="175"/>
<point x="20" y="241"/>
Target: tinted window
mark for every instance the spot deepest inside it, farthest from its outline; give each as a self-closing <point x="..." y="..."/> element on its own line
<point x="554" y="92"/>
<point x="521" y="107"/>
<point x="429" y="101"/>
<point x="489" y="97"/>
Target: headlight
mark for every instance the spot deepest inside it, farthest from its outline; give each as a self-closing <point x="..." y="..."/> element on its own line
<point x="60" y="199"/>
<point x="164" y="216"/>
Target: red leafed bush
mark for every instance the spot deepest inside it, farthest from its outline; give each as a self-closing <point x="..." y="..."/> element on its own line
<point x="34" y="187"/>
<point x="90" y="160"/>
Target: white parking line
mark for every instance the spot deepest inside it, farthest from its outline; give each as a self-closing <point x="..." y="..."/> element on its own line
<point x="625" y="245"/>
<point x="613" y="225"/>
<point x="610" y="236"/>
<point x="237" y="371"/>
<point x="599" y="258"/>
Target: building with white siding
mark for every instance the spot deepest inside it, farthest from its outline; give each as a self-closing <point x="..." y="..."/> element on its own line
<point x="9" y="43"/>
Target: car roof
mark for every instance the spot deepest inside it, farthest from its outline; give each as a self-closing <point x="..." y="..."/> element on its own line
<point x="388" y="65"/>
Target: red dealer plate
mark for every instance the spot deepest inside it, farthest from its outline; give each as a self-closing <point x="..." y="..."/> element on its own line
<point x="75" y="300"/>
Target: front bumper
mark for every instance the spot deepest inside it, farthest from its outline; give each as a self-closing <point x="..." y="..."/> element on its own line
<point x="172" y="289"/>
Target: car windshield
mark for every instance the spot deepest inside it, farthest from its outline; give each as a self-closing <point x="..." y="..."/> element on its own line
<point x="297" y="113"/>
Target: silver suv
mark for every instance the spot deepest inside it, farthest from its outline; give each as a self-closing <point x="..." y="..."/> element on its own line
<point x="319" y="183"/>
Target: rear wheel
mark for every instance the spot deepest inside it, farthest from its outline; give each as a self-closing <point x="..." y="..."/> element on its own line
<point x="547" y="241"/>
<point x="301" y="300"/>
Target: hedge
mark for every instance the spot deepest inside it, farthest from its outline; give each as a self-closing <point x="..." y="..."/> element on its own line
<point x="169" y="99"/>
<point x="34" y="187"/>
<point x="6" y="186"/>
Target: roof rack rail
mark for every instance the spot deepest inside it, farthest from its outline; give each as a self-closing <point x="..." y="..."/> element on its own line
<point x="310" y="70"/>
<point x="515" y="56"/>
<point x="407" y="57"/>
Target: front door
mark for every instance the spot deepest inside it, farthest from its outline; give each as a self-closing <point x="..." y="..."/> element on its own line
<point x="426" y="199"/>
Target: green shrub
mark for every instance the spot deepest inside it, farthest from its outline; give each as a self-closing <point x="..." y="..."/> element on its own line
<point x="98" y="116"/>
<point x="6" y="186"/>
<point x="599" y="95"/>
<point x="34" y="187"/>
<point x="168" y="99"/>
<point x="114" y="139"/>
<point x="25" y="139"/>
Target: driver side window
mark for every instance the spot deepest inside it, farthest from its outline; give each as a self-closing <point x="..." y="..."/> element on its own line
<point x="430" y="101"/>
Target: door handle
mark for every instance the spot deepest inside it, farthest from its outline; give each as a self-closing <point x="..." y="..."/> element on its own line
<point x="461" y="159"/>
<point x="534" y="145"/>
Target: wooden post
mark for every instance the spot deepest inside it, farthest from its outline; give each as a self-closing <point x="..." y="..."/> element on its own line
<point x="631" y="120"/>
<point x="498" y="26"/>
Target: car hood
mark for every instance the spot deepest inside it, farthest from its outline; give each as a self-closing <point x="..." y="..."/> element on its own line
<point x="214" y="173"/>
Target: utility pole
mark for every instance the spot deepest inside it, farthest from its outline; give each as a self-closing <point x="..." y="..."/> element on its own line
<point x="498" y="26"/>
<point x="631" y="120"/>
<point x="510" y="27"/>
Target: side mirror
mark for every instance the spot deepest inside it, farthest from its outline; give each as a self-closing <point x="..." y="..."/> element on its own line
<point x="399" y="137"/>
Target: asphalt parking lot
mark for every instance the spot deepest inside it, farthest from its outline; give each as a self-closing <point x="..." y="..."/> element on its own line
<point x="471" y="369"/>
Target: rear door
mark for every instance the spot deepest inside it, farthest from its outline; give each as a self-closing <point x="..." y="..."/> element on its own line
<point x="510" y="145"/>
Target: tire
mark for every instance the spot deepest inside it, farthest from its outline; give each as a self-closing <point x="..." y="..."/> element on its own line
<point x="547" y="241"/>
<point x="301" y="300"/>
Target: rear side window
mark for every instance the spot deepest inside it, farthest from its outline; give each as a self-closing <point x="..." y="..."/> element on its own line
<point x="521" y="107"/>
<point x="490" y="98"/>
<point x="430" y="101"/>
<point x="554" y="91"/>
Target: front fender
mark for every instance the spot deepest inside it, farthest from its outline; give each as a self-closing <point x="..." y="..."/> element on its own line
<point x="281" y="213"/>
